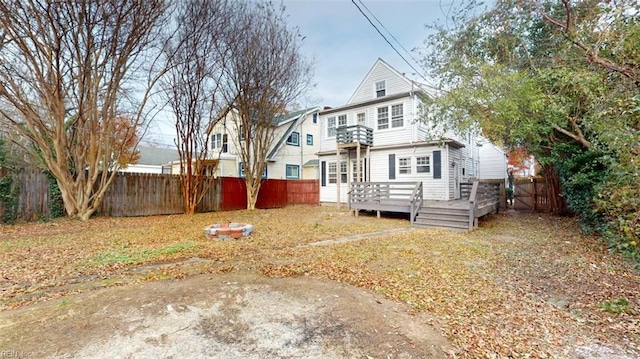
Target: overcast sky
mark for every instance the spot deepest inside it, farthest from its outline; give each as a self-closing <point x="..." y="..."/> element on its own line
<point x="344" y="45"/>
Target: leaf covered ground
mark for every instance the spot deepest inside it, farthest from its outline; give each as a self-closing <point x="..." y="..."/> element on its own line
<point x="520" y="286"/>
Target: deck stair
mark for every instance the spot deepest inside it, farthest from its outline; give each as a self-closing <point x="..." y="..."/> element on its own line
<point x="479" y="199"/>
<point x="444" y="215"/>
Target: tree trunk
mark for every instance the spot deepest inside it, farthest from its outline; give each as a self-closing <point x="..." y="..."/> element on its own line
<point x="253" y="188"/>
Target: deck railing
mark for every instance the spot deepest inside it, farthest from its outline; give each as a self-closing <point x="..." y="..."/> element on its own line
<point x="355" y="134"/>
<point x="483" y="198"/>
<point x="410" y="194"/>
<point x="416" y="201"/>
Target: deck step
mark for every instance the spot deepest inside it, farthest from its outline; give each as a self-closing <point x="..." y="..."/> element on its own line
<point x="445" y="224"/>
<point x="445" y="217"/>
<point x="463" y="218"/>
<point x="445" y="211"/>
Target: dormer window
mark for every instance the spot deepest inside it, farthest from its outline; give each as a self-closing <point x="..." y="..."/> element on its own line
<point x="381" y="88"/>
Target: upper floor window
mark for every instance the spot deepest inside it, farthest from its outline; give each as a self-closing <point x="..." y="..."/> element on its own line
<point x="219" y="142"/>
<point x="331" y="127"/>
<point x="294" y="139"/>
<point x="423" y="164"/>
<point x="309" y="139"/>
<point x="342" y="120"/>
<point x="397" y="119"/>
<point x="381" y="88"/>
<point x="361" y="118"/>
<point x="315" y="118"/>
<point x="383" y="118"/>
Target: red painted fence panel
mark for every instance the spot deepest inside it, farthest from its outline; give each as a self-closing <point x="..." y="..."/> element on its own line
<point x="234" y="194"/>
<point x="303" y="192"/>
<point x="273" y="194"/>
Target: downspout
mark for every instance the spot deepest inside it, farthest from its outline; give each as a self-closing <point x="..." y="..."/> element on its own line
<point x="302" y="144"/>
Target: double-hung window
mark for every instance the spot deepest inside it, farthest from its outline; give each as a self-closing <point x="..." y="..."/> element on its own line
<point x="383" y="118"/>
<point x="381" y="89"/>
<point x="216" y="141"/>
<point x="331" y="127"/>
<point x="423" y="164"/>
<point x="342" y="120"/>
<point x="220" y="142"/>
<point x="309" y="139"/>
<point x="404" y="165"/>
<point x="397" y="119"/>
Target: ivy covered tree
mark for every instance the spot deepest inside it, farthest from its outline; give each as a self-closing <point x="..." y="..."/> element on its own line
<point x="559" y="78"/>
<point x="69" y="70"/>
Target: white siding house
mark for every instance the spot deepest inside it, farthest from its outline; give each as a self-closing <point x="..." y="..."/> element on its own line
<point x="400" y="148"/>
<point x="493" y="162"/>
<point x="292" y="156"/>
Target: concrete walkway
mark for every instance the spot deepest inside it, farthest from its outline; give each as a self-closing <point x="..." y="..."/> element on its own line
<point x="359" y="237"/>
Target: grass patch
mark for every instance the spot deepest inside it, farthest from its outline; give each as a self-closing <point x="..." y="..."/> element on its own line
<point x="138" y="256"/>
<point x="616" y="306"/>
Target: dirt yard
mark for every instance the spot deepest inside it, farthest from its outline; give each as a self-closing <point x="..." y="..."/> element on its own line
<point x="520" y="286"/>
<point x="240" y="315"/>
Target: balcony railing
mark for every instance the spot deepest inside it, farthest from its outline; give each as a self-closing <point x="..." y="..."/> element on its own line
<point x="354" y="134"/>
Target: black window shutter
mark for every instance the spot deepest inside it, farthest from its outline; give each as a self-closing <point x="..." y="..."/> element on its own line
<point x="392" y="166"/>
<point x="437" y="165"/>
<point x="323" y="173"/>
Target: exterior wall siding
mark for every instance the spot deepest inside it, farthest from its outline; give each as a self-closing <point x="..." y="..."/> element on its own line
<point x="493" y="162"/>
<point x="434" y="189"/>
<point x="394" y="84"/>
<point x="287" y="154"/>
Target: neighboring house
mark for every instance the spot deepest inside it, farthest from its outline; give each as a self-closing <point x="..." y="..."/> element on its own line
<point x="153" y="160"/>
<point x="493" y="161"/>
<point x="293" y="152"/>
<point x="381" y="124"/>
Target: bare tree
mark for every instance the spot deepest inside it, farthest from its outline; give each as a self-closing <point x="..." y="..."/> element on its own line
<point x="192" y="85"/>
<point x="64" y="70"/>
<point x="266" y="73"/>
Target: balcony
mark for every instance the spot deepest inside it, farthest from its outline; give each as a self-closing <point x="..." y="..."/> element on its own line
<point x="351" y="136"/>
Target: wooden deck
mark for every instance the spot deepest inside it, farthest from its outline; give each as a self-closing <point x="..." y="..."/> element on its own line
<point x="463" y="214"/>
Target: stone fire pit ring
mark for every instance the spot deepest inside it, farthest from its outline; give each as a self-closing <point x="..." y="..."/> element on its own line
<point x="228" y="230"/>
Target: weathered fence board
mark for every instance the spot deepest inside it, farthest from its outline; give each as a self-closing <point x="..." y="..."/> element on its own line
<point x="303" y="191"/>
<point x="145" y="194"/>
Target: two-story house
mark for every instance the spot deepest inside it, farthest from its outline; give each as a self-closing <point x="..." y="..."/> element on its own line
<point x="291" y="156"/>
<point x="381" y="128"/>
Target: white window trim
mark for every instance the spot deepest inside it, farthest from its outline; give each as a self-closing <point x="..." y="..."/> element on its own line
<point x="378" y="118"/>
<point x="376" y="89"/>
<point x="334" y="172"/>
<point x="408" y="166"/>
<point x="290" y="139"/>
<point x="430" y="165"/>
<point x="330" y="127"/>
<point x="342" y="117"/>
<point x="286" y="170"/>
<point x="401" y="117"/>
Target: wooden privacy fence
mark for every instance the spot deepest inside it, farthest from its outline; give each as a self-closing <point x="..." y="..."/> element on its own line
<point x="144" y="194"/>
<point x="531" y="194"/>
